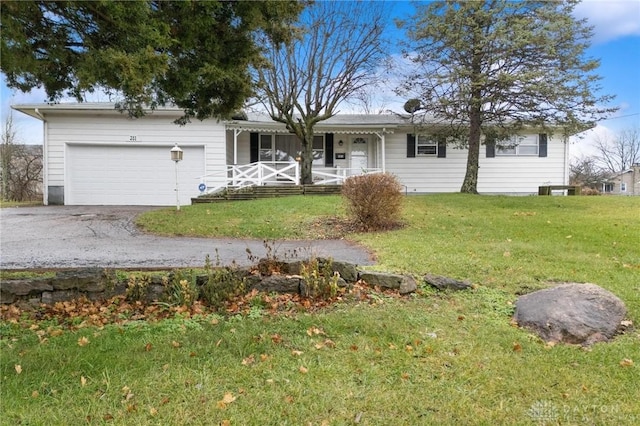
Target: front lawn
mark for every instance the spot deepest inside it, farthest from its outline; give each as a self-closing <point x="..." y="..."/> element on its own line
<point x="432" y="358"/>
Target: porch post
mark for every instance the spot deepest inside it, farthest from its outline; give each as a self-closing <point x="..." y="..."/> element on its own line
<point x="236" y="132"/>
<point x="382" y="138"/>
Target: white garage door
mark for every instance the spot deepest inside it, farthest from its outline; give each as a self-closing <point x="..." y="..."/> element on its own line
<point x="131" y="175"/>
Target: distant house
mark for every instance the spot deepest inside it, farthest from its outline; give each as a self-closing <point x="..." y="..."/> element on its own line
<point x="626" y="182"/>
<point x="95" y="155"/>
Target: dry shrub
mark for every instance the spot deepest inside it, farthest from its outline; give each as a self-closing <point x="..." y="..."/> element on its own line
<point x="374" y="201"/>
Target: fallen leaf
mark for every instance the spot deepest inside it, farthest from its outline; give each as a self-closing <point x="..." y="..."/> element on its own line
<point x="225" y="422"/>
<point x="56" y="332"/>
<point x="18" y="368"/>
<point x="315" y="331"/>
<point x="148" y="347"/>
<point x="83" y="381"/>
<point x="329" y="343"/>
<point x="506" y="254"/>
<point x="228" y="398"/>
<point x="303" y="370"/>
<point x="83" y="341"/>
<point x="288" y="399"/>
<point x="175" y="344"/>
<point x="405" y="376"/>
<point x="248" y="360"/>
<point x="353" y="347"/>
<point x="153" y="411"/>
<point x="296" y="353"/>
<point x="264" y="357"/>
<point x="517" y="347"/>
<point x="276" y="338"/>
<point x="35" y="394"/>
<point x="626" y="362"/>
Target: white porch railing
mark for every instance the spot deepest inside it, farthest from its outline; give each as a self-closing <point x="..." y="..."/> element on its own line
<point x="337" y="176"/>
<point x="274" y="173"/>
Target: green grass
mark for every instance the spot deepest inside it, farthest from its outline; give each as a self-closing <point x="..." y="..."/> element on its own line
<point x="434" y="358"/>
<point x="275" y="218"/>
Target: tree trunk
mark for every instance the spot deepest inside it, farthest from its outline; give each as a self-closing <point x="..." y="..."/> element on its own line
<point x="470" y="183"/>
<point x="306" y="160"/>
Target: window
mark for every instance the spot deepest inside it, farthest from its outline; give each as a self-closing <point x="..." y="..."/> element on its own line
<point x="623" y="187"/>
<point x="608" y="187"/>
<point x="288" y="148"/>
<point x="318" y="150"/>
<point x="266" y="148"/>
<point x="518" y="145"/>
<point x="426" y="145"/>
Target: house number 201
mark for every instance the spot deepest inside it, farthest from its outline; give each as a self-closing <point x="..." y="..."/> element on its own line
<point x="132" y="138"/>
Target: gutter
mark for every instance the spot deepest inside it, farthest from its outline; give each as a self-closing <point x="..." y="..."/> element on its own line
<point x="37" y="112"/>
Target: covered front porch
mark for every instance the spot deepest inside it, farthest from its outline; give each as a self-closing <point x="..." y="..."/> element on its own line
<point x="277" y="173"/>
<point x="261" y="152"/>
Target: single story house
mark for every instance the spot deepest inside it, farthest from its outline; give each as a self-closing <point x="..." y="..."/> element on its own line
<point x="95" y="155"/>
<point x="626" y="182"/>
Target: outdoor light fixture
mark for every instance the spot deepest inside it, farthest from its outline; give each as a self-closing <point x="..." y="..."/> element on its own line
<point x="176" y="156"/>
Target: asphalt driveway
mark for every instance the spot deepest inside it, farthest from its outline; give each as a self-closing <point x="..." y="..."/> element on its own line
<point x="101" y="236"/>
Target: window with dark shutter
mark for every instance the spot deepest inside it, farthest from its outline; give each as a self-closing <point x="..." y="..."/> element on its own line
<point x="490" y="144"/>
<point x="442" y="148"/>
<point x="411" y="146"/>
<point x="542" y="145"/>
<point x="254" y="147"/>
<point x="328" y="149"/>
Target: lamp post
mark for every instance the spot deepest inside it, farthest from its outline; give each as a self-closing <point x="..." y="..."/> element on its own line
<point x="176" y="156"/>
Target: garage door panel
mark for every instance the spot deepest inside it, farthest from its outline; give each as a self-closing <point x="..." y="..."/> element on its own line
<point x="130" y="175"/>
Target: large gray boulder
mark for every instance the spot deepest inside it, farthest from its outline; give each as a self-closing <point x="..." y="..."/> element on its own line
<point x="571" y="313"/>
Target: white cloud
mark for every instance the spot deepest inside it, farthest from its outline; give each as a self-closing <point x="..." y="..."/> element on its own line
<point x="582" y="145"/>
<point x="612" y="19"/>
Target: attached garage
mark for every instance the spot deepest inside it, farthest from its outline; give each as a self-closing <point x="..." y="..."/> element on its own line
<point x="121" y="174"/>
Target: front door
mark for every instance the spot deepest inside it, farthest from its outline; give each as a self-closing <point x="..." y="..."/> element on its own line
<point x="359" y="154"/>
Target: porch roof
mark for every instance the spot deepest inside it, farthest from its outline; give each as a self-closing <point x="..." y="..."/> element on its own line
<point x="342" y="124"/>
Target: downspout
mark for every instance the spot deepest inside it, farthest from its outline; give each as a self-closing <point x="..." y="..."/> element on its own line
<point x="565" y="170"/>
<point x="45" y="159"/>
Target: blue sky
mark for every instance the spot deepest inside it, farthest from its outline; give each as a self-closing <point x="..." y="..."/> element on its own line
<point x="616" y="43"/>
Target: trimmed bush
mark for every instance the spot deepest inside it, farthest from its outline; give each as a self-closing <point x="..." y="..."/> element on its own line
<point x="374" y="201"/>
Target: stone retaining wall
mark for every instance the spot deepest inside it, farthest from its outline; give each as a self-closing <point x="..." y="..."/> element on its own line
<point x="100" y="284"/>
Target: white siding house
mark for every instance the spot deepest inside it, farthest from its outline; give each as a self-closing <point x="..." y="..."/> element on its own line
<point x="94" y="155"/>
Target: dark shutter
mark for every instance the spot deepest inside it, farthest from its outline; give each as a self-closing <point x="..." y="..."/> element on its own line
<point x="442" y="148"/>
<point x="491" y="147"/>
<point x="411" y="146"/>
<point x="254" y="147"/>
<point x="328" y="149"/>
<point x="542" y="145"/>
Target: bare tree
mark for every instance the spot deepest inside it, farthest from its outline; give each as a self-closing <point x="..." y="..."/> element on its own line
<point x="620" y="153"/>
<point x="334" y="57"/>
<point x="21" y="166"/>
<point x="585" y="171"/>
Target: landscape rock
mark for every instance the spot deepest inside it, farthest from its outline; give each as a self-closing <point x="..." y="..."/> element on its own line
<point x="25" y="287"/>
<point x="84" y="279"/>
<point x="571" y="313"/>
<point x="403" y="283"/>
<point x="445" y="283"/>
<point x="278" y="284"/>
